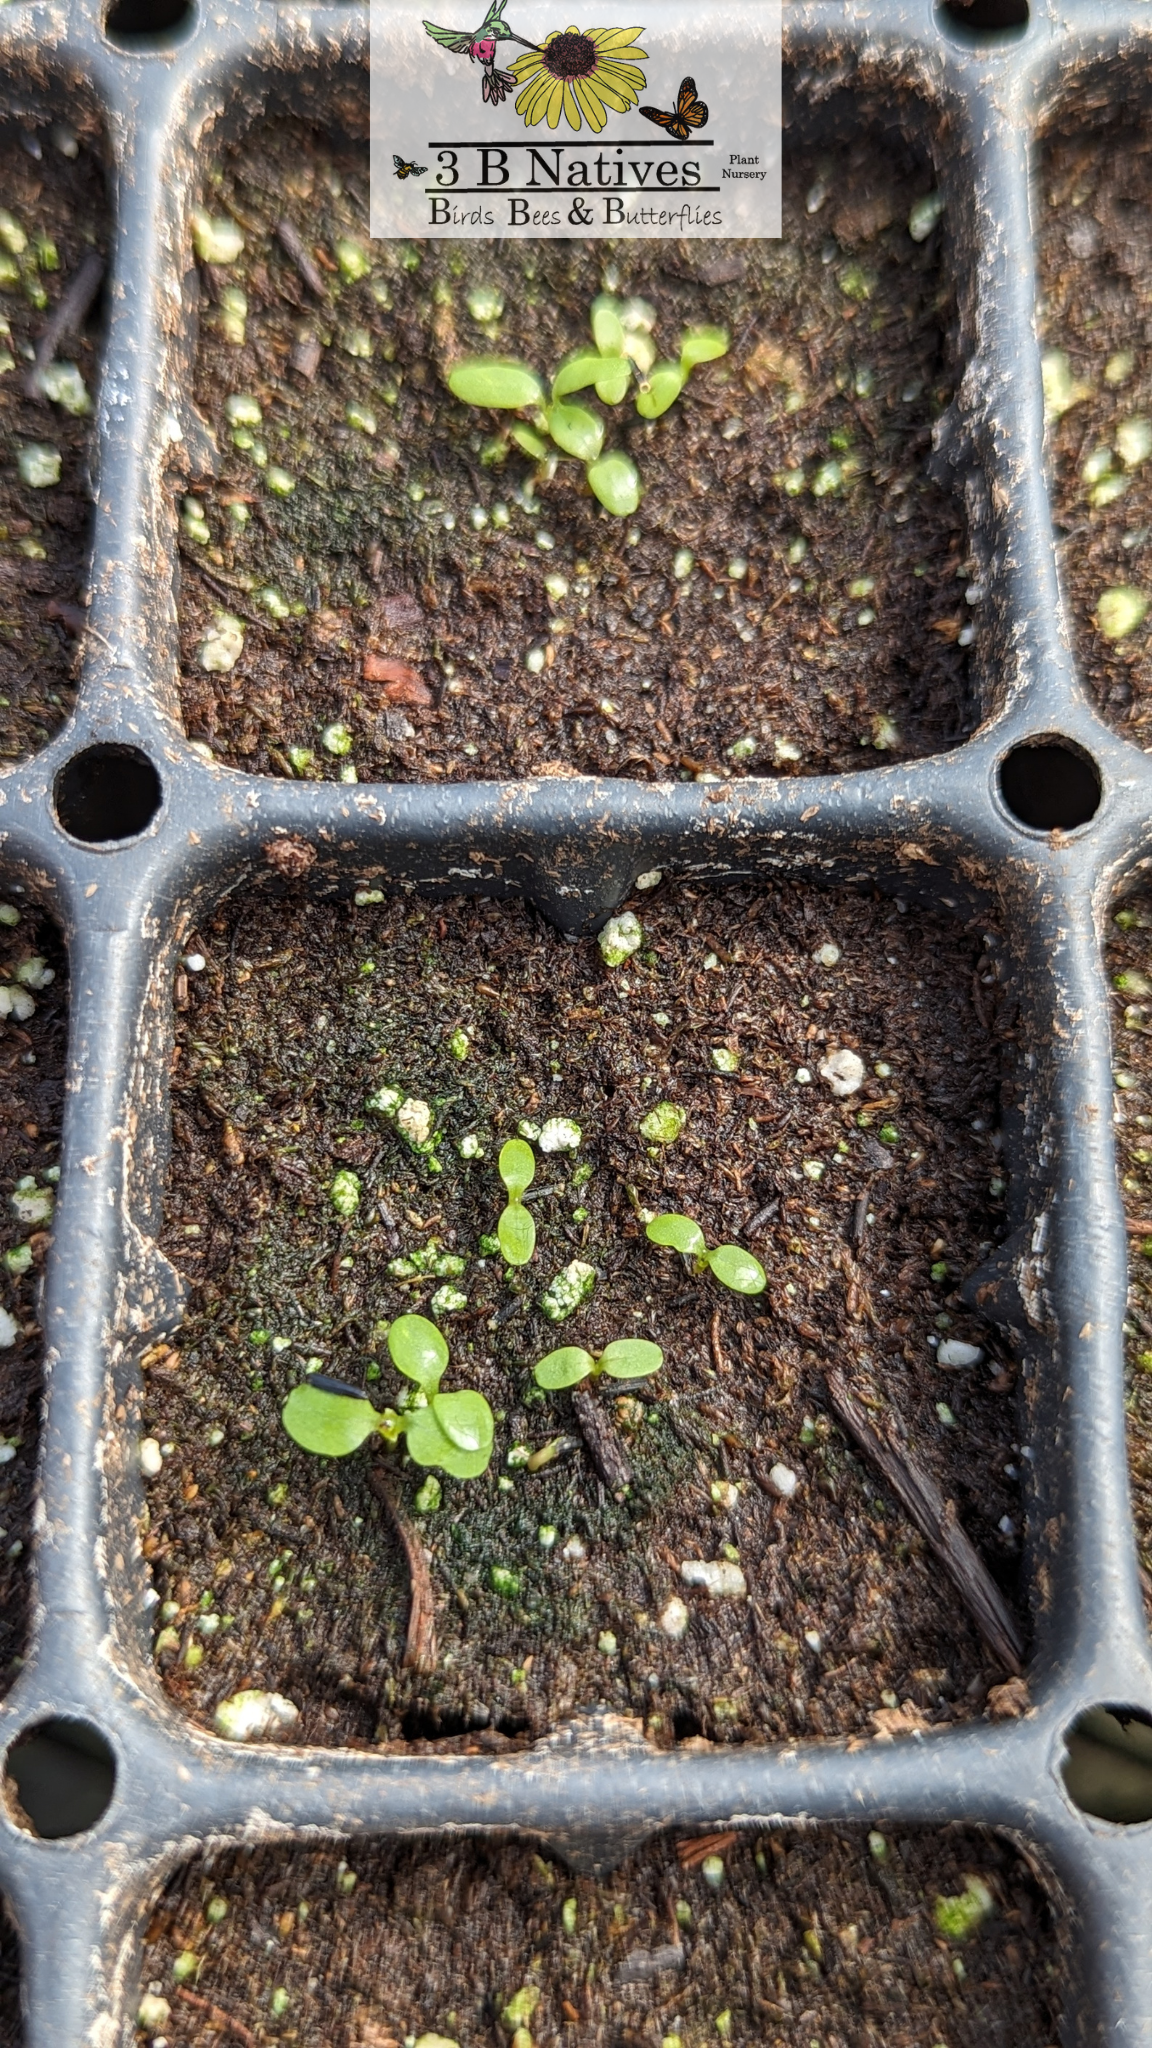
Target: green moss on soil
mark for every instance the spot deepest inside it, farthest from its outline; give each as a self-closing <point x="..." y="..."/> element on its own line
<point x="808" y="1938"/>
<point x="302" y="1011"/>
<point x="840" y="355"/>
<point x="44" y="534"/>
<point x="32" y="1059"/>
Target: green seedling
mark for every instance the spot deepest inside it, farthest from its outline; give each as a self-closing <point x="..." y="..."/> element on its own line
<point x="622" y="347"/>
<point x="629" y="1358"/>
<point x="516" y="1231"/>
<point x="732" y="1266"/>
<point x="452" y="1432"/>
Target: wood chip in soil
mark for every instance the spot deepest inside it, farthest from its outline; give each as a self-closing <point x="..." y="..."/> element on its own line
<point x="1095" y="215"/>
<point x="57" y="209"/>
<point x="807" y="1938"/>
<point x="788" y="599"/>
<point x="32" y="1055"/>
<point x="1129" y="963"/>
<point x="280" y="1570"/>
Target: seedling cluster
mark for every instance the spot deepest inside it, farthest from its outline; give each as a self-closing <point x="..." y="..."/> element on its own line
<point x="451" y="1432"/>
<point x="622" y="345"/>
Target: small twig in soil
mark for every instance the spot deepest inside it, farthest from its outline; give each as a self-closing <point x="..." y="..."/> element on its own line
<point x="216" y="2016"/>
<point x="923" y="1502"/>
<point x="718" y="1358"/>
<point x="293" y="247"/>
<point x="420" y="1648"/>
<point x="763" y="1215"/>
<point x="859" y="1223"/>
<point x="604" y="1446"/>
<point x="67" y="315"/>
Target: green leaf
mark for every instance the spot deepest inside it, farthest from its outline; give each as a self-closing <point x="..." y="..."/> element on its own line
<point x="516" y="1166"/>
<point x="418" y="1351"/>
<point x="493" y="380"/>
<point x="577" y="372"/>
<point x="702" y="345"/>
<point x="631" y="1358"/>
<point x="530" y="441"/>
<point x="614" y="377"/>
<point x="517" y="1234"/>
<point x="607" y="326"/>
<point x="576" y="430"/>
<point x="329" y="1424"/>
<point x="466" y="1419"/>
<point x="564" y="1368"/>
<point x="678" y="1231"/>
<point x="660" y="390"/>
<point x="615" y="480"/>
<point x="737" y="1269"/>
<point x="428" y="1442"/>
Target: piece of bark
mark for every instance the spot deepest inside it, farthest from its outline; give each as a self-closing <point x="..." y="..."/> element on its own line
<point x="420" y="1648"/>
<point x="604" y="1446"/>
<point x="923" y="1502"/>
<point x="293" y="246"/>
<point x="217" y="2019"/>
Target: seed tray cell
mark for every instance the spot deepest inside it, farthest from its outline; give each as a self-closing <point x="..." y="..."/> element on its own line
<point x="130" y="838"/>
<point x="788" y="597"/>
<point x="301" y="1011"/>
<point x="794" y="1937"/>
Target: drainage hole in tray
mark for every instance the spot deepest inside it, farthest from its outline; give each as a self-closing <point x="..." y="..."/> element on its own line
<point x="984" y="20"/>
<point x="1049" y="783"/>
<point x="1108" y="1766"/>
<point x="59" y="1778"/>
<point x="134" y="24"/>
<point x="107" y="793"/>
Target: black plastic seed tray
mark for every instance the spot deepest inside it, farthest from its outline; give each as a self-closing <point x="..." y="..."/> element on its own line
<point x="123" y="832"/>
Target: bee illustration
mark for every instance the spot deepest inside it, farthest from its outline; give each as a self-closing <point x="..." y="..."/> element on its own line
<point x="690" y="112"/>
<point x="404" y="170"/>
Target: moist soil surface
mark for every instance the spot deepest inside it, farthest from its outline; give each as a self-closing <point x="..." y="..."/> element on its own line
<point x="1129" y="958"/>
<point x="281" y="1570"/>
<point x="56" y="207"/>
<point x="807" y="1939"/>
<point x="1096" y="312"/>
<point x="32" y="1056"/>
<point x="815" y="615"/>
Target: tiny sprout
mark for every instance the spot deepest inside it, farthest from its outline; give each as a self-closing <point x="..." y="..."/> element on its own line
<point x="629" y="1358"/>
<point x="452" y="1432"/>
<point x="621" y="937"/>
<point x="663" y="1125"/>
<point x="344" y="1193"/>
<point x="516" y="1230"/>
<point x="731" y="1265"/>
<point x="459" y="1044"/>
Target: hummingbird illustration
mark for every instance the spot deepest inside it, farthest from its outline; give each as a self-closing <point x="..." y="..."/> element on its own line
<point x="479" y="46"/>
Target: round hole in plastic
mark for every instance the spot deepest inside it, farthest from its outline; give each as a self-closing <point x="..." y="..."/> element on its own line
<point x="134" y="24"/>
<point x="107" y="793"/>
<point x="1107" y="1766"/>
<point x="59" y="1776"/>
<point x="1049" y="783"/>
<point x="984" y="21"/>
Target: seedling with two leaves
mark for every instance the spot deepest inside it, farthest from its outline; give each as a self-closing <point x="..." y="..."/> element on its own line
<point x="629" y="1358"/>
<point x="622" y="345"/>
<point x="451" y="1432"/>
<point x="730" y="1263"/>
<point x="516" y="1230"/>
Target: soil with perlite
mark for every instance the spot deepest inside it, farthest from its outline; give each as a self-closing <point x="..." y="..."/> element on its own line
<point x="278" y="1570"/>
<point x="789" y="597"/>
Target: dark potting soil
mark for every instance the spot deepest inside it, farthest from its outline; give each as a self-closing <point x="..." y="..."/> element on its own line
<point x="806" y="1938"/>
<point x="1129" y="957"/>
<point x="279" y="1570"/>
<point x="53" y="217"/>
<point x="789" y="597"/>
<point x="32" y="1055"/>
<point x="1096" y="322"/>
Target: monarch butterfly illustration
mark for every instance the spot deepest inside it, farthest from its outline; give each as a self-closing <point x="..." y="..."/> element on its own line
<point x="690" y="112"/>
<point x="404" y="170"/>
